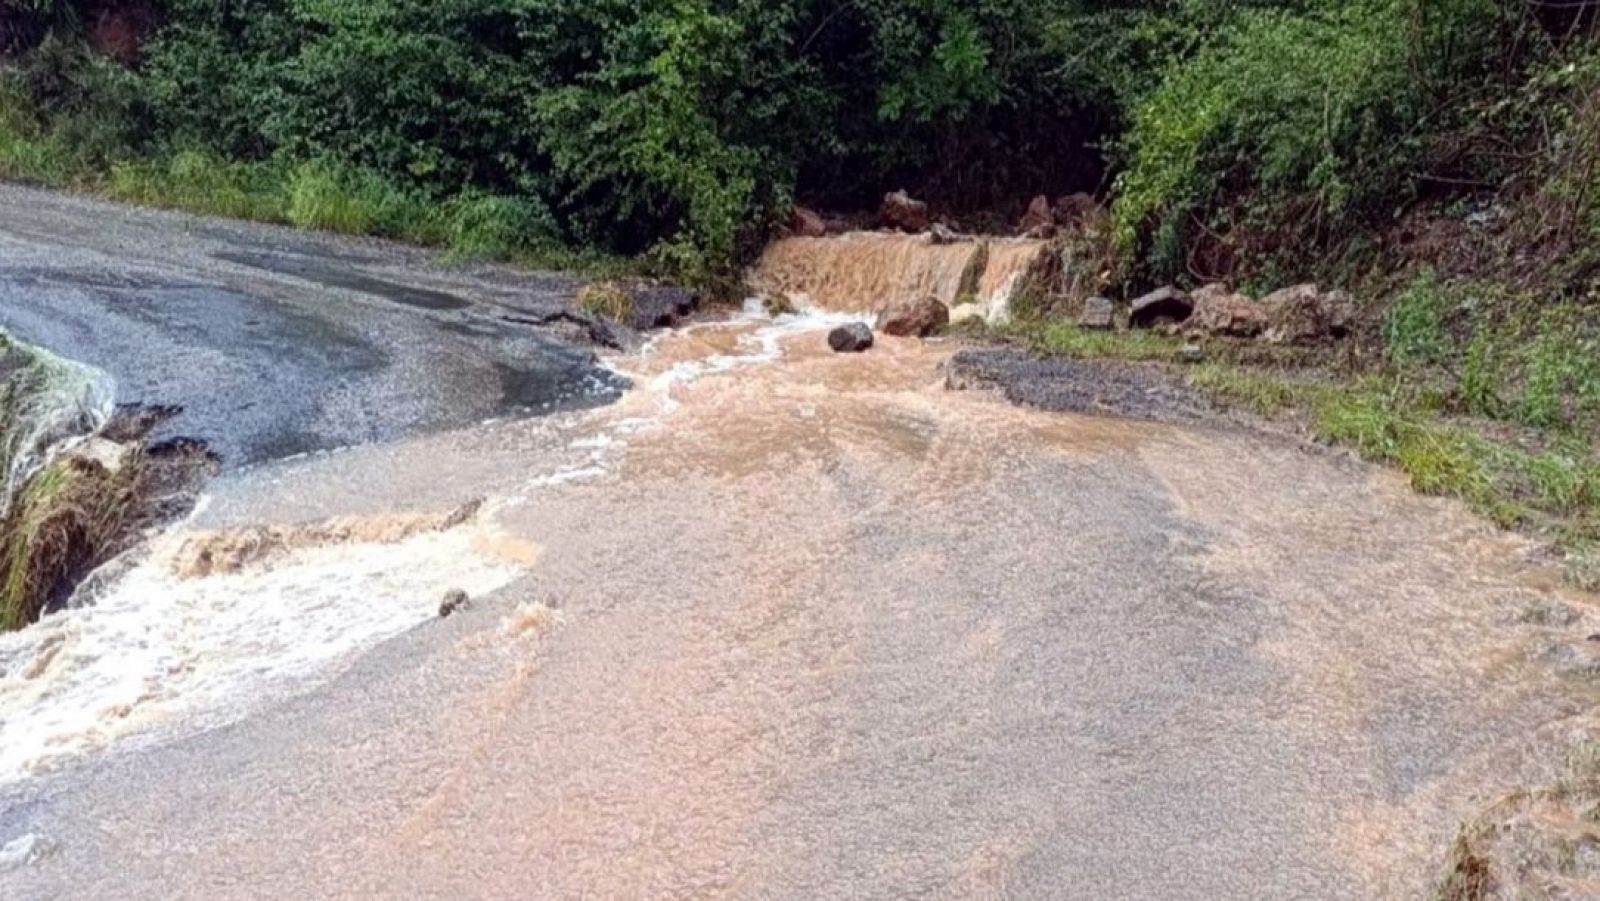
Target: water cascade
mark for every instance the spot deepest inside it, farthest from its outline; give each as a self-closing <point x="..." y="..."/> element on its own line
<point x="865" y="272"/>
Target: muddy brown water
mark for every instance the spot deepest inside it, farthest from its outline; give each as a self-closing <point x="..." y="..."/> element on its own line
<point x="791" y="624"/>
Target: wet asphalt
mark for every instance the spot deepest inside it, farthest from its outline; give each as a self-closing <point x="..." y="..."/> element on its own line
<point x="277" y="342"/>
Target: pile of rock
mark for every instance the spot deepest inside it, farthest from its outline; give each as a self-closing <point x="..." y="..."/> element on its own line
<point x="1044" y="217"/>
<point x="1303" y="314"/>
<point x="910" y="319"/>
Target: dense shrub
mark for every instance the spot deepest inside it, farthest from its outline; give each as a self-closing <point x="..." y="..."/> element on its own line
<point x="1293" y="123"/>
<point x="685" y="128"/>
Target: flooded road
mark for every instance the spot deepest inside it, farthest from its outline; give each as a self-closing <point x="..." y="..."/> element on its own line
<point x="782" y="623"/>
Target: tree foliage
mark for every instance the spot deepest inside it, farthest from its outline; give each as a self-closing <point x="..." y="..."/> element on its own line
<point x="686" y="127"/>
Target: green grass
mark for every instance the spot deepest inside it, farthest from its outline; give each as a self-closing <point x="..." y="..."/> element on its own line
<point x="315" y="194"/>
<point x="1402" y="419"/>
<point x="1068" y="339"/>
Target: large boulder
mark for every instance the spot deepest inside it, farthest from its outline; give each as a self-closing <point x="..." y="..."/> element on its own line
<point x="1305" y="314"/>
<point x="1163" y="305"/>
<point x="914" y="319"/>
<point x="1219" y="311"/>
<point x="1098" y="313"/>
<point x="850" y="339"/>
<point x="1039" y="221"/>
<point x="806" y="223"/>
<point x="902" y="213"/>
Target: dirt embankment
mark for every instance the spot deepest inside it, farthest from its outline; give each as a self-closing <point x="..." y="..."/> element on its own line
<point x="90" y="504"/>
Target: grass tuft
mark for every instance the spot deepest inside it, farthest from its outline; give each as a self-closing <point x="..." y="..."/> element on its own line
<point x="607" y="299"/>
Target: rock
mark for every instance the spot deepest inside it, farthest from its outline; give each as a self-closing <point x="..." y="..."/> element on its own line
<point x="1192" y="353"/>
<point x="455" y="601"/>
<point x="1166" y="304"/>
<point x="1075" y="209"/>
<point x="902" y="213"/>
<point x="1039" y="217"/>
<point x="1304" y="314"/>
<point x="807" y="223"/>
<point x="940" y="234"/>
<point x="656" y="305"/>
<point x="1218" y="311"/>
<point x="1098" y="313"/>
<point x="914" y="319"/>
<point x="850" y="339"/>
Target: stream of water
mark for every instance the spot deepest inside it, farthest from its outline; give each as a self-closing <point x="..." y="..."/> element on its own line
<point x="772" y="606"/>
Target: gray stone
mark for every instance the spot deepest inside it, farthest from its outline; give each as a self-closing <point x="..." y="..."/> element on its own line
<point x="1098" y="313"/>
<point x="914" y="319"/>
<point x="455" y="601"/>
<point x="1166" y="304"/>
<point x="1219" y="311"/>
<point x="850" y="339"/>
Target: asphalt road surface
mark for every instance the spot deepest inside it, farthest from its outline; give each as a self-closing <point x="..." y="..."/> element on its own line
<point x="277" y="342"/>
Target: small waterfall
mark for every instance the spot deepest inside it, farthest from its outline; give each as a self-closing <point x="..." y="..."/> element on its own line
<point x="866" y="272"/>
<point x="46" y="402"/>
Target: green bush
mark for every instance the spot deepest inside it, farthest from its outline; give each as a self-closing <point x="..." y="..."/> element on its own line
<point x="1309" y="118"/>
<point x="497" y="228"/>
<point x="1414" y="330"/>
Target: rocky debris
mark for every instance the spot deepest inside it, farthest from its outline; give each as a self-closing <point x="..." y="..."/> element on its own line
<point x="1219" y="311"/>
<point x="455" y="601"/>
<point x="914" y="319"/>
<point x="902" y="213"/>
<point x="135" y="422"/>
<point x="1098" y="313"/>
<point x="806" y="223"/>
<point x="1163" y="305"/>
<point x="659" y="305"/>
<point x="1039" y="221"/>
<point x="850" y="339"/>
<point x="940" y="234"/>
<point x="578" y="327"/>
<point x="1305" y="314"/>
<point x="1065" y="385"/>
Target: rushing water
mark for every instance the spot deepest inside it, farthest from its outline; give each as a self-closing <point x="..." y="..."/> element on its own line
<point x="46" y="402"/>
<point x="787" y="622"/>
<point x="170" y="645"/>
<point x="825" y="628"/>
<point x="871" y="270"/>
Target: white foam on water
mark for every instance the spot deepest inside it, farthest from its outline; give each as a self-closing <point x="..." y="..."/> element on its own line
<point x="50" y="404"/>
<point x="156" y="656"/>
<point x="159" y="656"/>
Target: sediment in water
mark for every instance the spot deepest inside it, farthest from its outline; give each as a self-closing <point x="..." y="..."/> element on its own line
<point x="867" y="272"/>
